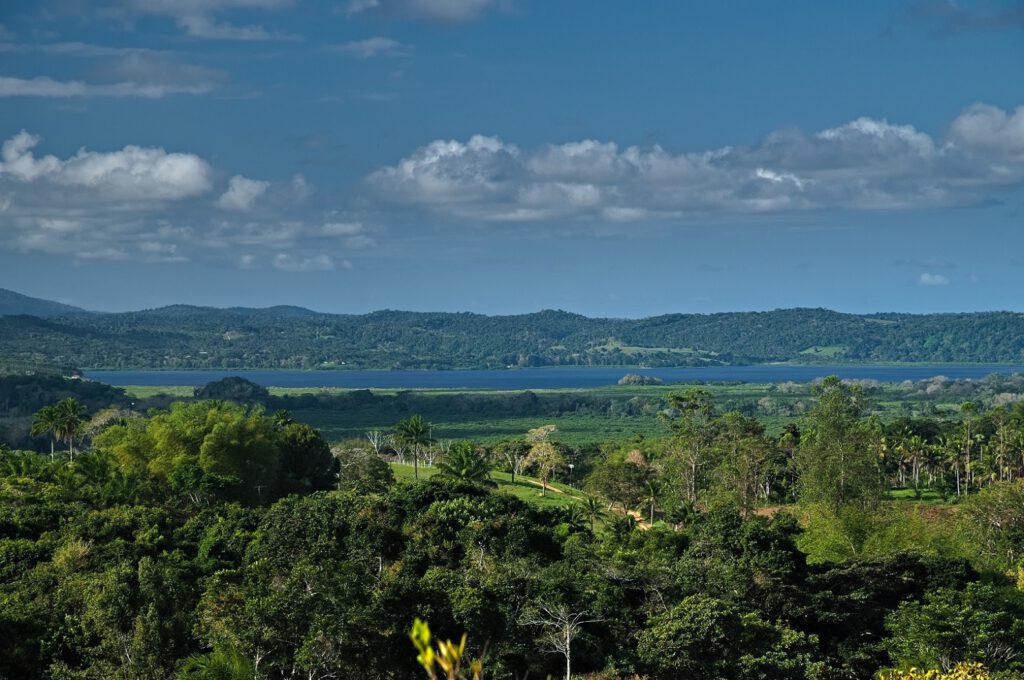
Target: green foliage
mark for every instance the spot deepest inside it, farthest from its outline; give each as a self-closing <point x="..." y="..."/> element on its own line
<point x="205" y="450"/>
<point x="464" y="462"/>
<point x="995" y="520"/>
<point x="980" y="623"/>
<point x="210" y="540"/>
<point x="217" y="665"/>
<point x="447" y="658"/>
<point x="233" y="389"/>
<point x="703" y="637"/>
<point x="288" y="337"/>
<point x="837" y="461"/>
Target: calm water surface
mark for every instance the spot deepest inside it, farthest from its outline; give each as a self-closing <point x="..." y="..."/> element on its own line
<point x="549" y="378"/>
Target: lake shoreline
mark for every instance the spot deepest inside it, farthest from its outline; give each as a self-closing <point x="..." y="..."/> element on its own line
<point x="552" y="377"/>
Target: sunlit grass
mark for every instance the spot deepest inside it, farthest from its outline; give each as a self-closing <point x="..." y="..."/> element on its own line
<point x="524" y="488"/>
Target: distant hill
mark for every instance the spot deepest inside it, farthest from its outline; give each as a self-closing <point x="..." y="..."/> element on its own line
<point x="13" y="304"/>
<point x="187" y="337"/>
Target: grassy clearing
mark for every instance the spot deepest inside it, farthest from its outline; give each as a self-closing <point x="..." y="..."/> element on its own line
<point x="148" y="391"/>
<point x="524" y="488"/>
<point x="926" y="497"/>
<point x="572" y="429"/>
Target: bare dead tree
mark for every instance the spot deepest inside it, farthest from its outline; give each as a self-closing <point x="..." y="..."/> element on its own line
<point x="378" y="440"/>
<point x="444" y="447"/>
<point x="560" y="625"/>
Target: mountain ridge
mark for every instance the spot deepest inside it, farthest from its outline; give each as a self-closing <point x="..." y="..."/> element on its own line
<point x="13" y="303"/>
<point x="285" y="336"/>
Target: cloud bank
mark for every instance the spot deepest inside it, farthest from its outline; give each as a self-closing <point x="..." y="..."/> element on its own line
<point x="152" y="205"/>
<point x="865" y="164"/>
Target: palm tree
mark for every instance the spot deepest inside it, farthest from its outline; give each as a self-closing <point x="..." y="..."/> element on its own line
<point x="69" y="421"/>
<point x="45" y="421"/>
<point x="218" y="665"/>
<point x="651" y="495"/>
<point x="593" y="509"/>
<point x="464" y="462"/>
<point x="624" y="525"/>
<point x="414" y="431"/>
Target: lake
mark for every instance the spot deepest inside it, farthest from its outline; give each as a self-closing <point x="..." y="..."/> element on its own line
<point x="551" y="378"/>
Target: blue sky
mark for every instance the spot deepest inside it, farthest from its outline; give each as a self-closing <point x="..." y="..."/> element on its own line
<point x="605" y="157"/>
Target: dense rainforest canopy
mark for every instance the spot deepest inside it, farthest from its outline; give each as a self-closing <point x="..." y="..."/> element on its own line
<point x="213" y="539"/>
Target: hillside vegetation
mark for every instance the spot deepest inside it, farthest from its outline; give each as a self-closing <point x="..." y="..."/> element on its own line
<point x="291" y="337"/>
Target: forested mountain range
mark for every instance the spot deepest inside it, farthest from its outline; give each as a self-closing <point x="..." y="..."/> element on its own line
<point x="12" y="303"/>
<point x="183" y="336"/>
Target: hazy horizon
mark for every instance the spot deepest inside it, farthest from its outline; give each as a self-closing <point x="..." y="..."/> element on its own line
<point x="533" y="311"/>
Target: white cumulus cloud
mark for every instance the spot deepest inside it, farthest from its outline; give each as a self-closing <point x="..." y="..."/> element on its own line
<point x="43" y="86"/>
<point x="133" y="173"/>
<point x="433" y="10"/>
<point x="373" y="47"/>
<point x="296" y="263"/>
<point x="929" y="279"/>
<point x="866" y="164"/>
<point x="242" y="193"/>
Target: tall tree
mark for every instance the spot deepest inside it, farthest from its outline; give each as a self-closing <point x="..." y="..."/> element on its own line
<point x="544" y="454"/>
<point x="45" y="422"/>
<point x="560" y="626"/>
<point x="836" y="459"/>
<point x="70" y="418"/>
<point x="694" y="430"/>
<point x="414" y="432"/>
<point x="514" y="452"/>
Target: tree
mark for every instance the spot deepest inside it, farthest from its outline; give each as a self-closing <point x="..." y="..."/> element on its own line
<point x="747" y="462"/>
<point x="514" y="452"/>
<point x="234" y="388"/>
<point x="652" y="492"/>
<point x="378" y="440"/>
<point x="45" y="421"/>
<point x="544" y="455"/>
<point x="704" y="637"/>
<point x="560" y="625"/>
<point x="995" y="520"/>
<point x="361" y="469"/>
<point x="464" y="462"/>
<point x="621" y="478"/>
<point x="414" y="432"/>
<point x="593" y="509"/>
<point x="980" y="623"/>
<point x="836" y="462"/>
<point x="694" y="430"/>
<point x="217" y="665"/>
<point x="69" y="418"/>
<point x="306" y="462"/>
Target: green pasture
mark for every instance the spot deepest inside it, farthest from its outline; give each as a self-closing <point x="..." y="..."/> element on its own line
<point x="524" y="488"/>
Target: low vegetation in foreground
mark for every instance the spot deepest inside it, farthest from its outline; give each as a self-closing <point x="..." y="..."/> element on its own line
<point x="219" y="539"/>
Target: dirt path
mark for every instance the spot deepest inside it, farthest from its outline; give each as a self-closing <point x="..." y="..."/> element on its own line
<point x="641" y="523"/>
<point x="552" y="488"/>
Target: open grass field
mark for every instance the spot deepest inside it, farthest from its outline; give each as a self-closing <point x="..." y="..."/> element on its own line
<point x="926" y="497"/>
<point x="525" y="488"/>
<point x="575" y="430"/>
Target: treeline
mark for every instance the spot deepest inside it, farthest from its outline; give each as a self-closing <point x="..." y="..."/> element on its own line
<point x="836" y="457"/>
<point x="212" y="540"/>
<point x="289" y="337"/>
